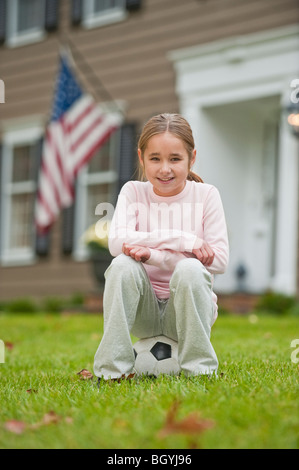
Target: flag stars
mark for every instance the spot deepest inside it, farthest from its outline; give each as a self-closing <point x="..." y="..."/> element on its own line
<point x="67" y="90"/>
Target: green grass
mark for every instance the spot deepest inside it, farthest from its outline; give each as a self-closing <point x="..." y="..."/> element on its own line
<point x="253" y="403"/>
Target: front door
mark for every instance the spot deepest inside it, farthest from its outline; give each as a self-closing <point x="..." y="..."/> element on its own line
<point x="239" y="156"/>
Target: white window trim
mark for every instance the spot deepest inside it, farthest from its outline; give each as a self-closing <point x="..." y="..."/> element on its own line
<point x="94" y="20"/>
<point x="105" y="177"/>
<point x="15" y="38"/>
<point x="111" y="176"/>
<point x="15" y="256"/>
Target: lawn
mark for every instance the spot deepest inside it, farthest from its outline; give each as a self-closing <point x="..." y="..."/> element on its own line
<point x="45" y="403"/>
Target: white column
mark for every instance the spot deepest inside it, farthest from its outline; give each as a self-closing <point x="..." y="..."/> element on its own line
<point x="287" y="213"/>
<point x="192" y="112"/>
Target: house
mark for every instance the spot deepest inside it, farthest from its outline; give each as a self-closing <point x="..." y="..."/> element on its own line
<point x="226" y="65"/>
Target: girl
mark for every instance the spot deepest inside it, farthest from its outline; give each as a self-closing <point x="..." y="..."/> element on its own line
<point x="169" y="237"/>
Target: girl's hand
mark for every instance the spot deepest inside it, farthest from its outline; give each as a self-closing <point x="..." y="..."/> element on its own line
<point x="204" y="254"/>
<point x="138" y="253"/>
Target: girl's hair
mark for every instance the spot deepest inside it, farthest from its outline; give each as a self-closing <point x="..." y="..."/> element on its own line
<point x="176" y="125"/>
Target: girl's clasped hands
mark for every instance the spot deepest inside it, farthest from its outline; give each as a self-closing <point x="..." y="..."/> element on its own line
<point x="204" y="254"/>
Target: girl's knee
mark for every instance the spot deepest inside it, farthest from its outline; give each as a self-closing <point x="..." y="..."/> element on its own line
<point x="121" y="260"/>
<point x="190" y="272"/>
<point x="122" y="265"/>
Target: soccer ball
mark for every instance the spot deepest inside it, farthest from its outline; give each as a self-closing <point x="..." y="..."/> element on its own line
<point x="156" y="355"/>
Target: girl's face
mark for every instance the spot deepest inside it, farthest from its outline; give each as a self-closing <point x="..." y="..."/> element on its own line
<point x="166" y="164"/>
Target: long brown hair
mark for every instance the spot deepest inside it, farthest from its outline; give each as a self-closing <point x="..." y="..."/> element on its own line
<point x="176" y="125"/>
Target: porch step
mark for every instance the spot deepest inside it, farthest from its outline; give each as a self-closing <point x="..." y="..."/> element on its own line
<point x="93" y="303"/>
<point x="237" y="303"/>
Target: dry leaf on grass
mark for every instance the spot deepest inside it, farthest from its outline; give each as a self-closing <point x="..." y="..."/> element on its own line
<point x="48" y="418"/>
<point x="51" y="418"/>
<point x="85" y="374"/>
<point x="15" y="426"/>
<point x="18" y="427"/>
<point x="191" y="424"/>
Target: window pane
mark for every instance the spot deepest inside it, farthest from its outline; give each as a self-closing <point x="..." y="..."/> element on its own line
<point x="30" y="14"/>
<point x="101" y="160"/>
<point x="101" y="5"/>
<point x="23" y="163"/>
<point x="21" y="220"/>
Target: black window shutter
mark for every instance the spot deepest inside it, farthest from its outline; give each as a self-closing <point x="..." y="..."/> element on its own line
<point x="42" y="244"/>
<point x="128" y="154"/>
<point x="42" y="241"/>
<point x="76" y="12"/>
<point x="132" y="5"/>
<point x="51" y="15"/>
<point x="68" y="220"/>
<point x="2" y="21"/>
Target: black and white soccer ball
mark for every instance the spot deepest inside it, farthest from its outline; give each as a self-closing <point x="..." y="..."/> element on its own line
<point x="156" y="355"/>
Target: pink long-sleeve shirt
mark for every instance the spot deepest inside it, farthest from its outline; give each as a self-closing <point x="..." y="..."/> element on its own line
<point x="170" y="227"/>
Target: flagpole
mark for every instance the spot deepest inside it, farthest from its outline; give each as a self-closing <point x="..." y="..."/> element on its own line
<point x="90" y="74"/>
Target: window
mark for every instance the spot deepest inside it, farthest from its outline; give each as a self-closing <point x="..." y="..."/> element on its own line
<point x="97" y="182"/>
<point x="20" y="153"/>
<point x="25" y="21"/>
<point x="101" y="12"/>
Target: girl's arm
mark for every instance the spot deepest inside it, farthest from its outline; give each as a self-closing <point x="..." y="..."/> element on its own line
<point x="212" y="250"/>
<point x="215" y="233"/>
<point x="167" y="247"/>
<point x="164" y="259"/>
<point x="123" y="228"/>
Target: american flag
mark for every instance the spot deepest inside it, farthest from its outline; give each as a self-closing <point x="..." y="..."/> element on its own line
<point x="78" y="127"/>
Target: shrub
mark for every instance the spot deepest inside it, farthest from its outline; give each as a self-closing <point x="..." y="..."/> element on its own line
<point x="21" y="306"/>
<point x="53" y="304"/>
<point x="274" y="302"/>
<point x="77" y="299"/>
<point x="294" y="310"/>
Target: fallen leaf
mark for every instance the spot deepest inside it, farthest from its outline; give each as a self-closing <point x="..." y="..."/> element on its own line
<point x="15" y="426"/>
<point x="50" y="418"/>
<point x="31" y="390"/>
<point x="121" y="424"/>
<point x="128" y="377"/>
<point x="191" y="424"/>
<point x="122" y="378"/>
<point x="85" y="374"/>
<point x="9" y="345"/>
<point x="18" y="427"/>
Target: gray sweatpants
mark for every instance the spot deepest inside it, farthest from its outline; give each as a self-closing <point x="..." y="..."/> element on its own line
<point x="131" y="306"/>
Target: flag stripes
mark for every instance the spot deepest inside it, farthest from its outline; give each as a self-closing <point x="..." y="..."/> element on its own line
<point x="77" y="130"/>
